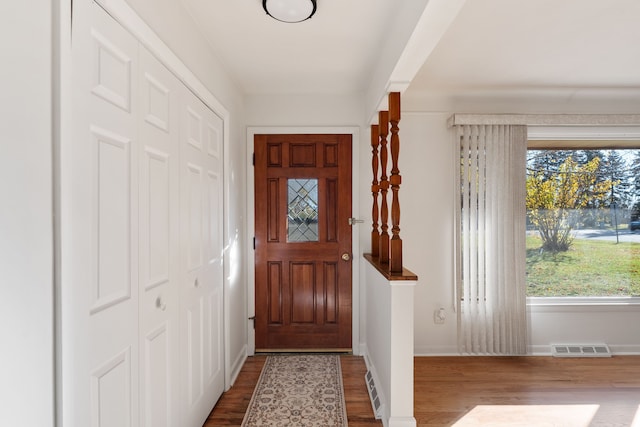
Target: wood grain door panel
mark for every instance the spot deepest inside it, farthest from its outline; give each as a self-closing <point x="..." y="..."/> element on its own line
<point x="303" y="288"/>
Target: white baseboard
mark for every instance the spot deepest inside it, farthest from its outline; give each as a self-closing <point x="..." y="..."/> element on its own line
<point x="441" y="350"/>
<point x="402" y="422"/>
<point x="624" y="349"/>
<point x="532" y="350"/>
<point x="616" y="350"/>
<point x="237" y="364"/>
<point x="383" y="401"/>
<point x="362" y="350"/>
<point x="539" y="350"/>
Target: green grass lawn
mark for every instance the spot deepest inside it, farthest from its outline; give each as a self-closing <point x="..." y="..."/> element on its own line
<point x="588" y="268"/>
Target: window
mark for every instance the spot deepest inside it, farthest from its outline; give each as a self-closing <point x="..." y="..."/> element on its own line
<point x="302" y="216"/>
<point x="583" y="222"/>
<point x="553" y="275"/>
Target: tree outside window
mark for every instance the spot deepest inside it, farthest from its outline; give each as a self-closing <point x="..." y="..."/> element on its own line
<point x="581" y="207"/>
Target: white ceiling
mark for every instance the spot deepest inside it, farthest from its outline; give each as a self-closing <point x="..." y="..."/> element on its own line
<point x="491" y="45"/>
<point x="507" y="44"/>
<point x="329" y="53"/>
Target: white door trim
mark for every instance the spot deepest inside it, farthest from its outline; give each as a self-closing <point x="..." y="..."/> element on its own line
<point x="131" y="21"/>
<point x="354" y="131"/>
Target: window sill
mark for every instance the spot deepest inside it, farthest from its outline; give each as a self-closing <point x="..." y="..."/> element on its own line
<point x="566" y="304"/>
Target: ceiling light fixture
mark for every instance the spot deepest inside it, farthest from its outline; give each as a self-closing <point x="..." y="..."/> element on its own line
<point x="290" y="10"/>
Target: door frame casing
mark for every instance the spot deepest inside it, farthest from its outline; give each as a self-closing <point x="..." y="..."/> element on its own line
<point x="354" y="131"/>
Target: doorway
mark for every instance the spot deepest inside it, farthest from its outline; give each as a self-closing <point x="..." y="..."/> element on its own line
<point x="303" y="242"/>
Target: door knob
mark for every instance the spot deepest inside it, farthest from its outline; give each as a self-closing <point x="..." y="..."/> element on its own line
<point x="353" y="221"/>
<point x="161" y="304"/>
<point x="346" y="256"/>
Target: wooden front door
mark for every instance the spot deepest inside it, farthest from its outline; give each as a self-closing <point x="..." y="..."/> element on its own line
<point x="303" y="242"/>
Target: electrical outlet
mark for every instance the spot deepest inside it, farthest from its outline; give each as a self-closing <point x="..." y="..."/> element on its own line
<point x="439" y="316"/>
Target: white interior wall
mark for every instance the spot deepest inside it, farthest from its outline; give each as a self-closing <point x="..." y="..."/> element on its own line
<point x="303" y="110"/>
<point x="426" y="225"/>
<point x="26" y="227"/>
<point x="612" y="325"/>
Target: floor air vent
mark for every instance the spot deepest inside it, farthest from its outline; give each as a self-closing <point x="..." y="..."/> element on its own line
<point x="376" y="404"/>
<point x="580" y="350"/>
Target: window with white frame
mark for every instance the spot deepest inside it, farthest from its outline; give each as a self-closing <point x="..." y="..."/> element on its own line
<point x="583" y="221"/>
<point x="549" y="211"/>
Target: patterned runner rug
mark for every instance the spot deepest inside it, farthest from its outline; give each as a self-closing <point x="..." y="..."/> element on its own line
<point x="298" y="390"/>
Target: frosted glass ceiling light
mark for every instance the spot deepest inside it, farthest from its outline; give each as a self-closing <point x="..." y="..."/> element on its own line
<point x="290" y="10"/>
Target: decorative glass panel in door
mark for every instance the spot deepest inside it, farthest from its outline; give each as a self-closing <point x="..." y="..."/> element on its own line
<point x="302" y="215"/>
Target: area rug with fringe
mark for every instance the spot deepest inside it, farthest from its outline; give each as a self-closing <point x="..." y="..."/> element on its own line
<point x="298" y="390"/>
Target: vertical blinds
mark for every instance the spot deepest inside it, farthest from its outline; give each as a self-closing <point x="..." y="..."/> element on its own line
<point x="491" y="288"/>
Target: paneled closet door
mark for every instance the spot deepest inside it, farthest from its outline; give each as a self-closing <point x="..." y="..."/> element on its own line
<point x="141" y="239"/>
<point x="201" y="290"/>
<point x="159" y="243"/>
<point x="99" y="227"/>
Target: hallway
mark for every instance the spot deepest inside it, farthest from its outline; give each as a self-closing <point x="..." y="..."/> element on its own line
<point x="230" y="409"/>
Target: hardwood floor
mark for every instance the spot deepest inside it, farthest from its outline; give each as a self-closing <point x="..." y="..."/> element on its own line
<point x="230" y="409"/>
<point x="448" y="388"/>
<point x="359" y="412"/>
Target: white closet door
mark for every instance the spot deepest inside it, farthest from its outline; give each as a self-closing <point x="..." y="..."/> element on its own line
<point x="159" y="243"/>
<point x="201" y="313"/>
<point x="141" y="239"/>
<point x="100" y="228"/>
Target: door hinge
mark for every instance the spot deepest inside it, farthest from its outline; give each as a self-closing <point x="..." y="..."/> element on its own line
<point x="254" y="159"/>
<point x="253" y="319"/>
<point x="254" y="243"/>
